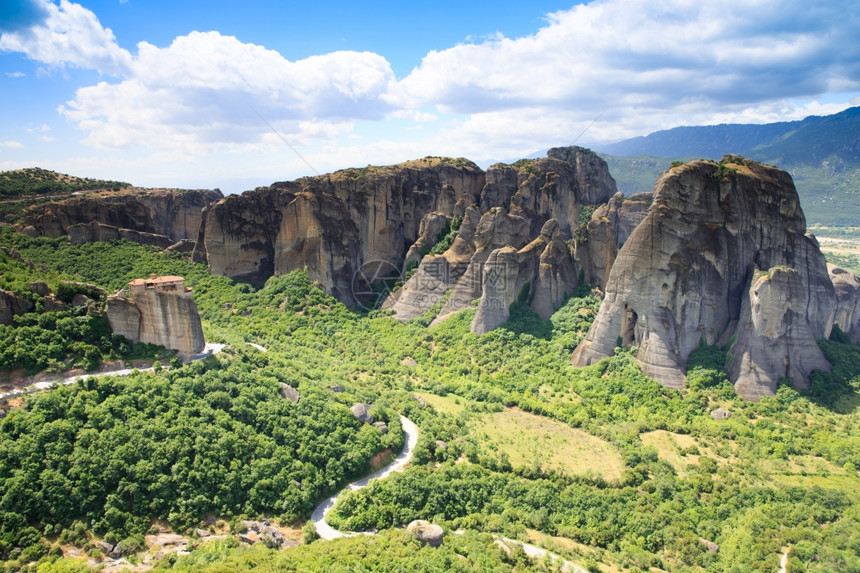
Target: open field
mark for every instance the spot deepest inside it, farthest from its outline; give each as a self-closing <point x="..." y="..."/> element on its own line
<point x="531" y="440"/>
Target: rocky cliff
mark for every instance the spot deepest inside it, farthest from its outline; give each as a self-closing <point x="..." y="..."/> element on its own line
<point x="158" y="310"/>
<point x="847" y="314"/>
<point x="512" y="244"/>
<point x="611" y="223"/>
<point x="153" y="216"/>
<point x="359" y="224"/>
<point x="333" y="225"/>
<point x="723" y="250"/>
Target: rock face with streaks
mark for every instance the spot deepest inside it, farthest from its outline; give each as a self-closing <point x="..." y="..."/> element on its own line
<point x="133" y="214"/>
<point x="333" y="225"/>
<point x="158" y="310"/>
<point x="847" y="315"/>
<point x="775" y="338"/>
<point x="513" y="244"/>
<point x="610" y="225"/>
<point x="692" y="271"/>
<point x="359" y="223"/>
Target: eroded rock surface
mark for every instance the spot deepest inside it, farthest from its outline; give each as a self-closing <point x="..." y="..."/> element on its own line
<point x="847" y="314"/>
<point x="171" y="213"/>
<point x="513" y="244"/>
<point x="364" y="222"/>
<point x="685" y="272"/>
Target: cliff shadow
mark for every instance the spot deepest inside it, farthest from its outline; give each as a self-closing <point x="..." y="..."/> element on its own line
<point x="838" y="390"/>
<point x="524" y="320"/>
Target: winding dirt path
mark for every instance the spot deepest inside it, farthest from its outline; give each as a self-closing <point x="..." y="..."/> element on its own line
<point x="326" y="531"/>
<point x="211" y="348"/>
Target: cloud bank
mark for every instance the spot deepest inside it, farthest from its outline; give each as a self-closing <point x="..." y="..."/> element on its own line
<point x="635" y="64"/>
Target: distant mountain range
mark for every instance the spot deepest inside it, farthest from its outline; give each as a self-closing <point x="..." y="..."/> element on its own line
<point x="822" y="153"/>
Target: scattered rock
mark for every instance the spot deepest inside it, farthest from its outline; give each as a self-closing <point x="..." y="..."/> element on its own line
<point x="421" y="401"/>
<point x="116" y="552"/>
<point x="262" y="531"/>
<point x="361" y="414"/>
<point x="336" y="388"/>
<point x="721" y="414"/>
<point x="381" y="426"/>
<point x="40" y="288"/>
<point x="13" y="305"/>
<point x="427" y="533"/>
<point x="501" y="545"/>
<point x="80" y="299"/>
<point x="709" y="545"/>
<point x="105" y="547"/>
<point x="409" y="361"/>
<point x="54" y="305"/>
<point x="288" y="392"/>
<point x="441" y="445"/>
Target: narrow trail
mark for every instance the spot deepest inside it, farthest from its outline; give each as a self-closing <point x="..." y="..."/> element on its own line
<point x="210" y="349"/>
<point x="326" y="531"/>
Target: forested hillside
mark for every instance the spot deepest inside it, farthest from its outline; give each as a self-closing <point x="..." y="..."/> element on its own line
<point x="37" y="181"/>
<point x="601" y="464"/>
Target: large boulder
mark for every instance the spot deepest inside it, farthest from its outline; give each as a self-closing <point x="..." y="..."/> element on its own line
<point x="427" y="533"/>
<point x="13" y="305"/>
<point x="684" y="274"/>
<point x="361" y="413"/>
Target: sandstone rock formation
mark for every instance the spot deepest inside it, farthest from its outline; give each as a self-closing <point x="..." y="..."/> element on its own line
<point x="847" y="315"/>
<point x="610" y="225"/>
<point x="512" y="244"/>
<point x="135" y="214"/>
<point x="94" y="232"/>
<point x="775" y="337"/>
<point x="333" y="225"/>
<point x="367" y="222"/>
<point x="690" y="272"/>
<point x="158" y="310"/>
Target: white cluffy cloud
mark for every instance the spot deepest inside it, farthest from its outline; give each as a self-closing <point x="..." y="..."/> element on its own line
<point x="69" y="35"/>
<point x="604" y="70"/>
<point x="646" y="65"/>
<point x="208" y="90"/>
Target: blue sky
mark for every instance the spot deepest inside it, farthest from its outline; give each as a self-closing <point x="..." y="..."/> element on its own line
<point x="186" y="94"/>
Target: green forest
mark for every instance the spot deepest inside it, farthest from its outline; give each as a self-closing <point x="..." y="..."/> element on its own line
<point x="601" y="465"/>
<point x="37" y="181"/>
